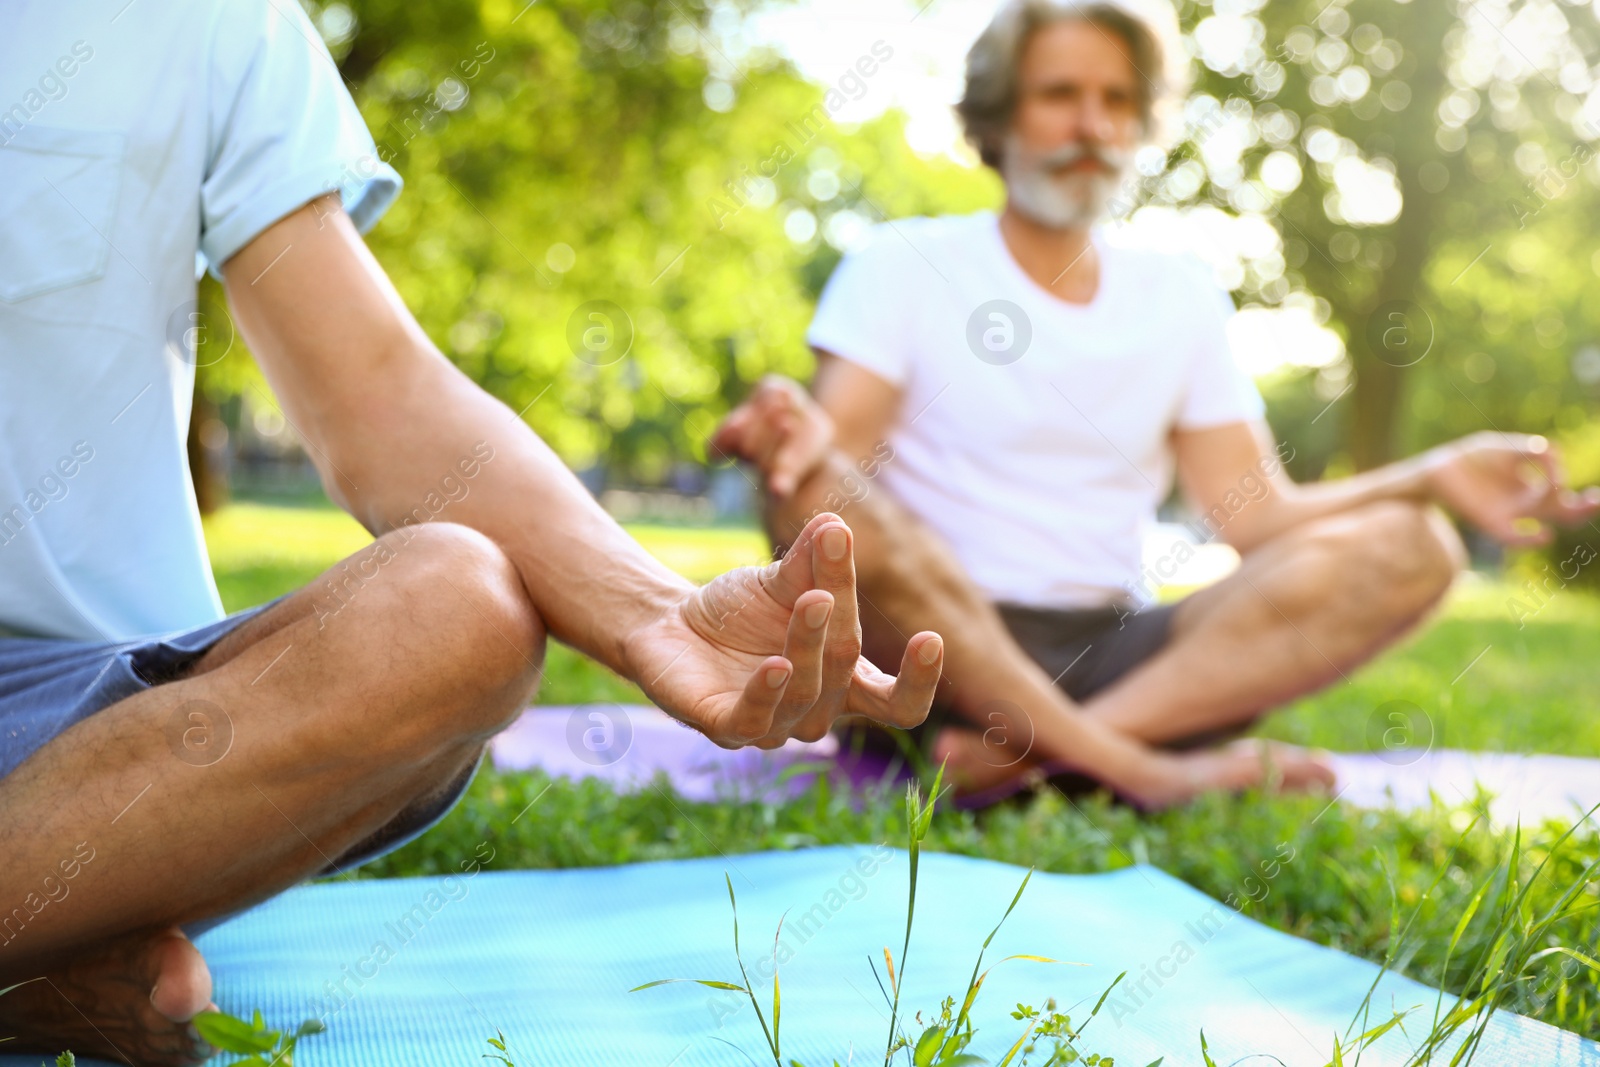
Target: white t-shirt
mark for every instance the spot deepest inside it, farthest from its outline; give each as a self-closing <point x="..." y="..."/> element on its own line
<point x="1034" y="434"/>
<point x="140" y="139"/>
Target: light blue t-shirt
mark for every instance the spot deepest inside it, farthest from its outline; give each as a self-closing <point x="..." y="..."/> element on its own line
<point x="137" y="140"/>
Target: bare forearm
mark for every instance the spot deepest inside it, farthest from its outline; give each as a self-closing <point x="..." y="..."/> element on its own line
<point x="1287" y="505"/>
<point x="909" y="581"/>
<point x="401" y="436"/>
<point x="593" y="583"/>
<point x="422" y="443"/>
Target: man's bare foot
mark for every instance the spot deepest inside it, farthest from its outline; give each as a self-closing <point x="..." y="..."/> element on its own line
<point x="1248" y="763"/>
<point x="972" y="765"/>
<point x="130" y="1002"/>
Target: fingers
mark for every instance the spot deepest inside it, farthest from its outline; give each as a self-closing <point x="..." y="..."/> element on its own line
<point x="816" y="582"/>
<point x="797" y="453"/>
<point x="742" y="433"/>
<point x="1549" y="476"/>
<point x="1547" y="458"/>
<point x="834" y="570"/>
<point x="751" y="719"/>
<point x="797" y="571"/>
<point x="727" y="440"/>
<point x="903" y="701"/>
<point x="759" y="438"/>
<point x="732" y="439"/>
<point x="808" y="630"/>
<point x="821" y="558"/>
<point x="779" y="430"/>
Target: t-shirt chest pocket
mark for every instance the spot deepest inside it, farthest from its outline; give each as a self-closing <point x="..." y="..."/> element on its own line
<point x="58" y="198"/>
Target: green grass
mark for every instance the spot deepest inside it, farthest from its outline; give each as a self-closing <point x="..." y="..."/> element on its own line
<point x="1532" y="690"/>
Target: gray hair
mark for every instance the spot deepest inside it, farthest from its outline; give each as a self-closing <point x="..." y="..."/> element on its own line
<point x="1149" y="29"/>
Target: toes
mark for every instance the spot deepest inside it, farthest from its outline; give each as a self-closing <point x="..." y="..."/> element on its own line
<point x="183" y="981"/>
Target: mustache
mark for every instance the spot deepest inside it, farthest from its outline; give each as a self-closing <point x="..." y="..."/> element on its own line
<point x="1069" y="155"/>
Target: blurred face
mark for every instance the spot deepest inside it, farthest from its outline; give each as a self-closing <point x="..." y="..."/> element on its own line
<point x="1076" y="125"/>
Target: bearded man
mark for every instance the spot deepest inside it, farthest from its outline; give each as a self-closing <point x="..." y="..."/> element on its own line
<point x="1001" y="403"/>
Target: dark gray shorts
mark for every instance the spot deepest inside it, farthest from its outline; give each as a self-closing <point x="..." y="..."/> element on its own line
<point x="1083" y="650"/>
<point x="1087" y="650"/>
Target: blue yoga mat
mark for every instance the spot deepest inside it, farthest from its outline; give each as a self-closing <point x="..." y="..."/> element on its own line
<point x="419" y="972"/>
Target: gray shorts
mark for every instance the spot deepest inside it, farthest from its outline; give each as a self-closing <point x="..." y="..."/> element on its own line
<point x="48" y="686"/>
<point x="1084" y="650"/>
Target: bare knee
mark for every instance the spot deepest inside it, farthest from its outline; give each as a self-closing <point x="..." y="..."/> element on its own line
<point x="1403" y="555"/>
<point x="454" y="620"/>
<point x="469" y="583"/>
<point x="1415" y="543"/>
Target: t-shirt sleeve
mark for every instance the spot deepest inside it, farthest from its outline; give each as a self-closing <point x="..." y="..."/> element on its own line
<point x="282" y="128"/>
<point x="1219" y="390"/>
<point x="863" y="315"/>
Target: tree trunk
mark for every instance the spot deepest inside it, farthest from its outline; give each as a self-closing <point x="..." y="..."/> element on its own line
<point x="1398" y="308"/>
<point x="1381" y="381"/>
<point x="210" y="482"/>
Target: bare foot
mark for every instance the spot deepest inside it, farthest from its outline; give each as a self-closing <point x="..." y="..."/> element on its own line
<point x="972" y="765"/>
<point x="1244" y="764"/>
<point x="130" y="1002"/>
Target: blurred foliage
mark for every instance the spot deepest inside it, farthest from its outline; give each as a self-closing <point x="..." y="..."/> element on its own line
<point x="1427" y="167"/>
<point x="565" y="153"/>
<point x="1573" y="557"/>
<point x="1415" y="174"/>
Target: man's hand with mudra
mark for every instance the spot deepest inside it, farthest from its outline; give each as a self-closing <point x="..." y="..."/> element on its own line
<point x="781" y="430"/>
<point x="692" y="662"/>
<point x="754" y="657"/>
<point x="1513" y="487"/>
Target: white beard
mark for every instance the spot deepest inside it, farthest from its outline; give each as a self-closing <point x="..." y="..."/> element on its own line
<point x="1060" y="201"/>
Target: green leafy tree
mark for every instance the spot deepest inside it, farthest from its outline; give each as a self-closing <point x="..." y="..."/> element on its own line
<point x="1424" y="164"/>
<point x="616" y="216"/>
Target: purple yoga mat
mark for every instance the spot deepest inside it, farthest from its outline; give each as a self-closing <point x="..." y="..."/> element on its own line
<point x="1530" y="788"/>
<point x="629" y="745"/>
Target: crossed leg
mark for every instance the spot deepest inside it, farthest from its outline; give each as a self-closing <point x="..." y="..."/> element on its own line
<point x="346" y="726"/>
<point x="1300" y="613"/>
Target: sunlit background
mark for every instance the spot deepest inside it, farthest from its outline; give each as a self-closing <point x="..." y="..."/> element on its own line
<point x="1399" y="195"/>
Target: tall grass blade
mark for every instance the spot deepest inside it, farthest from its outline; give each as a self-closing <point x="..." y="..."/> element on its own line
<point x="748" y="988"/>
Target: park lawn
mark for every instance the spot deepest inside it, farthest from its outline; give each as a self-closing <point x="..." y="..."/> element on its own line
<point x="1481" y="679"/>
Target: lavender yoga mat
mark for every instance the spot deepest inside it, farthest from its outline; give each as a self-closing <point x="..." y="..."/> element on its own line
<point x="1527" y="788"/>
<point x="628" y="745"/>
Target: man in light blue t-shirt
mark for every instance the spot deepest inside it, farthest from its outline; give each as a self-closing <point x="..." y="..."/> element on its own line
<point x="167" y="766"/>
